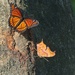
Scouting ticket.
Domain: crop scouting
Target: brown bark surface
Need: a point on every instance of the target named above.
(15, 59)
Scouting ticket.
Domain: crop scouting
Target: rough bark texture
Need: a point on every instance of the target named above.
(56, 28)
(15, 58)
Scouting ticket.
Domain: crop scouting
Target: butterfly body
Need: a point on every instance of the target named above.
(17, 22)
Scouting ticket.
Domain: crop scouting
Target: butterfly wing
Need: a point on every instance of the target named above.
(31, 23)
(22, 26)
(13, 21)
(15, 11)
(15, 16)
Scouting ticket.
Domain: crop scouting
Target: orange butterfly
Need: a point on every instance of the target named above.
(44, 51)
(17, 21)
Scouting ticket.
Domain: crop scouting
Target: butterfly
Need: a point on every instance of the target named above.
(17, 22)
(44, 51)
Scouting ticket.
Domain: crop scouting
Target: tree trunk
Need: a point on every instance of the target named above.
(15, 58)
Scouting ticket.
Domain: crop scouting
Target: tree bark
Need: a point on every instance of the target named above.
(15, 59)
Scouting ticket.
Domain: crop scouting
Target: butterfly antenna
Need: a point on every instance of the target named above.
(46, 59)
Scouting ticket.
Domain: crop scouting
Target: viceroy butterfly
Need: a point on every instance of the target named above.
(17, 22)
